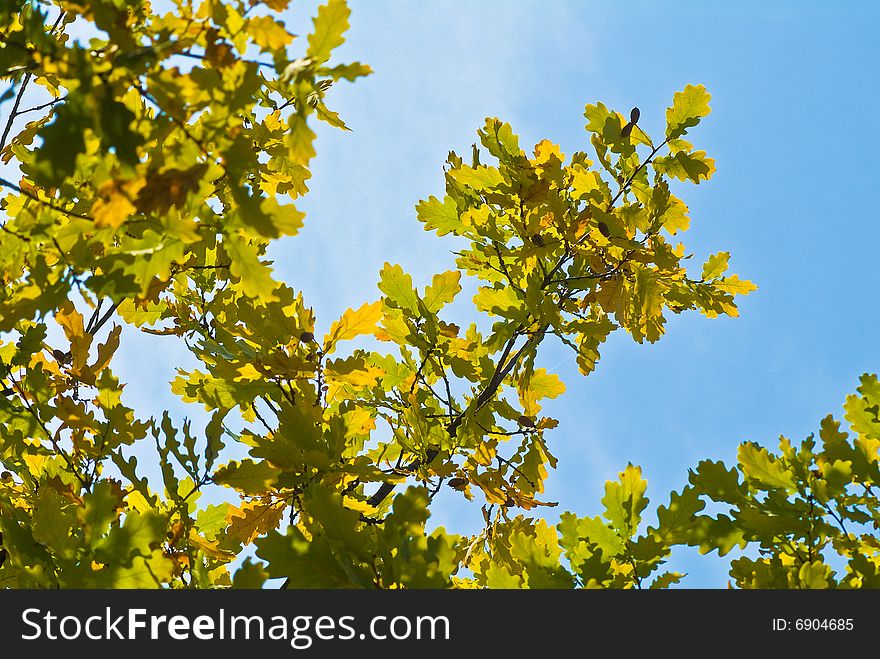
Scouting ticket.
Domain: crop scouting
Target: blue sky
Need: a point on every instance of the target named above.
(793, 200)
(792, 134)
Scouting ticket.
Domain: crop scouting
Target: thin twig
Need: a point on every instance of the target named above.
(30, 195)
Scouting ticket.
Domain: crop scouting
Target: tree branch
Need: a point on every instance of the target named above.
(30, 195)
(502, 370)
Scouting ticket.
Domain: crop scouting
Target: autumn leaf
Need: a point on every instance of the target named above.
(115, 205)
(247, 476)
(688, 107)
(268, 34)
(443, 289)
(398, 288)
(330, 24)
(352, 324)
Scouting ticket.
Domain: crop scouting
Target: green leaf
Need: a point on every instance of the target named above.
(250, 575)
(481, 179)
(330, 24)
(248, 476)
(139, 535)
(624, 500)
(439, 216)
(149, 572)
(398, 288)
(666, 580)
(500, 577)
(54, 520)
(63, 141)
(718, 482)
(116, 132)
(349, 72)
(256, 277)
(716, 265)
(757, 464)
(307, 564)
(688, 108)
(598, 117)
(694, 166)
(594, 531)
(499, 139)
(815, 575)
(212, 519)
(499, 302)
(99, 510)
(720, 533)
(443, 289)
(336, 521)
(674, 521)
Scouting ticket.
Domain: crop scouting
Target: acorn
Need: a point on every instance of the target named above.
(603, 229)
(526, 421)
(626, 130)
(306, 337)
(634, 115)
(5, 477)
(457, 483)
(62, 357)
(537, 239)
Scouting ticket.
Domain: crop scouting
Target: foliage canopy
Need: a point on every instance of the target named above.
(166, 149)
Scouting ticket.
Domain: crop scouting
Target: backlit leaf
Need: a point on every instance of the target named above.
(688, 107)
(247, 476)
(330, 24)
(352, 324)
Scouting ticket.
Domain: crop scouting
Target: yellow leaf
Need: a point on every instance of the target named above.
(540, 385)
(268, 34)
(114, 206)
(485, 452)
(112, 210)
(105, 354)
(256, 278)
(352, 324)
(546, 385)
(358, 422)
(272, 122)
(71, 322)
(253, 519)
(72, 413)
(137, 501)
(364, 377)
(735, 286)
(715, 265)
(209, 548)
(247, 476)
(584, 182)
(545, 150)
(359, 506)
(688, 107)
(248, 373)
(330, 24)
(338, 377)
(444, 287)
